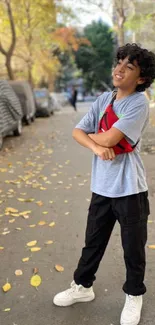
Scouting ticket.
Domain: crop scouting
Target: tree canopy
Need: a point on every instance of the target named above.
(96, 59)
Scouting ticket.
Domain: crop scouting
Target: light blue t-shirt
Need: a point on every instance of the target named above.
(125, 175)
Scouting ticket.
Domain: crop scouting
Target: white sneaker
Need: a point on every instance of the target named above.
(132, 310)
(76, 293)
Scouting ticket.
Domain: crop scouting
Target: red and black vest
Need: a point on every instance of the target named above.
(108, 119)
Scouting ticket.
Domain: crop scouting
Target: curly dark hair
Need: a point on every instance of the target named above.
(145, 60)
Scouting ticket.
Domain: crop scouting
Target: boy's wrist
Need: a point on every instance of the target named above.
(93, 147)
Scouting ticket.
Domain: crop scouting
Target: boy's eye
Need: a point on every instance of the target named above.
(129, 67)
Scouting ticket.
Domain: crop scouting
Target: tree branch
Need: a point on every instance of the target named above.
(2, 49)
(12, 25)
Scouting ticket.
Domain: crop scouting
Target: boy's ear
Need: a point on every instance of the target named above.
(141, 81)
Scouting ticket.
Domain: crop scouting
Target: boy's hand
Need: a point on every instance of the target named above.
(104, 153)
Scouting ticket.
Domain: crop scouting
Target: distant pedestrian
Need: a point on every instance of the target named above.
(112, 130)
(73, 99)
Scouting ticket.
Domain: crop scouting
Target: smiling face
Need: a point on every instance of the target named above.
(126, 75)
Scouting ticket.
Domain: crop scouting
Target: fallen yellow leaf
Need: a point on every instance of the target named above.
(6, 287)
(1, 248)
(52, 224)
(3, 170)
(151, 246)
(18, 272)
(25, 259)
(12, 210)
(12, 220)
(5, 232)
(35, 280)
(32, 243)
(25, 212)
(35, 249)
(40, 203)
(59, 268)
(15, 214)
(45, 212)
(41, 223)
(48, 242)
(25, 216)
(18, 228)
(7, 309)
(32, 226)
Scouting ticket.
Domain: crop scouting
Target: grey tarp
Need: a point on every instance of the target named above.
(10, 108)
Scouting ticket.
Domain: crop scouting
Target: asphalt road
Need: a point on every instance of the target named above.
(46, 173)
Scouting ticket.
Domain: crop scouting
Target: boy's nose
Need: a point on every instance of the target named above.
(121, 67)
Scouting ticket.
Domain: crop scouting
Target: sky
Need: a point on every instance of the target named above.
(87, 13)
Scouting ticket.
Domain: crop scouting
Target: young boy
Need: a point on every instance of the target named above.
(112, 129)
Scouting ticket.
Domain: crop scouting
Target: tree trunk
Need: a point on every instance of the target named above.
(9, 68)
(121, 38)
(8, 54)
(30, 78)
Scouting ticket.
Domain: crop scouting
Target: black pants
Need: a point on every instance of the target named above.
(132, 214)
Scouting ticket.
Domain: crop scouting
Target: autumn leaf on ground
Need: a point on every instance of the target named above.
(7, 309)
(45, 212)
(5, 232)
(32, 243)
(18, 272)
(3, 170)
(41, 223)
(54, 175)
(18, 228)
(67, 213)
(32, 226)
(52, 224)
(59, 268)
(35, 249)
(40, 203)
(1, 248)
(6, 287)
(25, 259)
(25, 217)
(11, 210)
(21, 199)
(151, 246)
(35, 270)
(25, 213)
(48, 242)
(35, 280)
(11, 220)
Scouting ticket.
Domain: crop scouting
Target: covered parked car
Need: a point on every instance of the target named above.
(10, 112)
(44, 103)
(25, 94)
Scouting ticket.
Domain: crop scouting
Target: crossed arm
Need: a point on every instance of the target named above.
(101, 144)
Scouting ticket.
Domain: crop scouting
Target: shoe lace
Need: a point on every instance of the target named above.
(74, 288)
